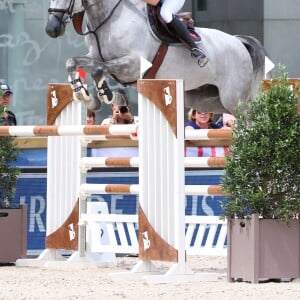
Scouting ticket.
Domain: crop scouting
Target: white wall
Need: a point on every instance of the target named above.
(281, 33)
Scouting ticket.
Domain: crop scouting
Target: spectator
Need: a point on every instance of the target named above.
(8, 118)
(228, 120)
(121, 114)
(121, 111)
(90, 118)
(201, 120)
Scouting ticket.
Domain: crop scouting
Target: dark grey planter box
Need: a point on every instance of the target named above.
(263, 249)
(13, 234)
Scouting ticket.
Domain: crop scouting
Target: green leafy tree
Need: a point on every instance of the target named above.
(263, 174)
(8, 173)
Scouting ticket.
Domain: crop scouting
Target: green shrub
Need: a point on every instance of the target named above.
(263, 174)
(8, 173)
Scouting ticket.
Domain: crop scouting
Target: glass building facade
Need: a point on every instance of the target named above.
(30, 60)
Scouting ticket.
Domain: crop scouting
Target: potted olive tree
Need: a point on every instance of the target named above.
(262, 178)
(13, 218)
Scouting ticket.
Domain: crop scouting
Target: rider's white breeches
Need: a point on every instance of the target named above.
(170, 8)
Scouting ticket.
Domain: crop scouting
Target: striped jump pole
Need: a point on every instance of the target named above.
(87, 163)
(208, 134)
(88, 189)
(105, 132)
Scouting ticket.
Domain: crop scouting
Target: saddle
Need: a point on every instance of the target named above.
(160, 29)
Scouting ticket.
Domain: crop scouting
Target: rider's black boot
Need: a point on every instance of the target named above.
(183, 34)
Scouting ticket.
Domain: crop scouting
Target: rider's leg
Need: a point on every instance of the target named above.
(183, 34)
(168, 9)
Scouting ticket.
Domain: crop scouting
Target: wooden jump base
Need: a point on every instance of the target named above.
(199, 238)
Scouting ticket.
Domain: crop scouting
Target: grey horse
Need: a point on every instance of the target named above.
(118, 34)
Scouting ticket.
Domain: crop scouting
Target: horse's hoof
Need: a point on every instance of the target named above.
(106, 98)
(95, 104)
(202, 61)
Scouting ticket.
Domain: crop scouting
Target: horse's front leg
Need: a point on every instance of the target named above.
(126, 69)
(105, 94)
(80, 91)
(118, 68)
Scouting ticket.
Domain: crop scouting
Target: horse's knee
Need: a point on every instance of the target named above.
(71, 65)
(98, 76)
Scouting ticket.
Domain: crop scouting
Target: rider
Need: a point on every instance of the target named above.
(168, 9)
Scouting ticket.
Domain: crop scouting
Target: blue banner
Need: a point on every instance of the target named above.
(32, 190)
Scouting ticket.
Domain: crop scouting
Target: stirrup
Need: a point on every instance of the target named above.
(201, 57)
(202, 61)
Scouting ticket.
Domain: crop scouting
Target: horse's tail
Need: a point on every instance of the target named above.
(256, 51)
(258, 54)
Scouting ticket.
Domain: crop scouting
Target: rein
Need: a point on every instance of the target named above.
(78, 18)
(77, 24)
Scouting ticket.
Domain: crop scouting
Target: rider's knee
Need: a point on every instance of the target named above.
(166, 15)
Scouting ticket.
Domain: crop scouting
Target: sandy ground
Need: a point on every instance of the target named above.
(98, 283)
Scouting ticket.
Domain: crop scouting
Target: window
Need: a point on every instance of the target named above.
(201, 5)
